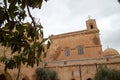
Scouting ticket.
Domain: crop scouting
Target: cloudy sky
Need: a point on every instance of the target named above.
(61, 16)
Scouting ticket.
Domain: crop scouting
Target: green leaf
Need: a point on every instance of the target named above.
(20, 36)
(2, 15)
(14, 48)
(46, 0)
(41, 32)
(12, 8)
(39, 26)
(22, 15)
(45, 39)
(23, 4)
(48, 44)
(5, 2)
(40, 3)
(35, 4)
(10, 25)
(40, 50)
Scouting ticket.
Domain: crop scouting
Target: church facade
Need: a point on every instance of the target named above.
(76, 45)
(73, 56)
(77, 55)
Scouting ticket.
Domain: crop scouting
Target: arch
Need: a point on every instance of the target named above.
(5, 76)
(89, 78)
(2, 77)
(72, 79)
(25, 78)
(91, 26)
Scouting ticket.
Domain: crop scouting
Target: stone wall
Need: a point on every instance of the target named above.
(82, 69)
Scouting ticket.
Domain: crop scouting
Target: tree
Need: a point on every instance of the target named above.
(105, 73)
(25, 39)
(45, 74)
(119, 1)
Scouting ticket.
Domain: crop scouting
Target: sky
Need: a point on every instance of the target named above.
(63, 16)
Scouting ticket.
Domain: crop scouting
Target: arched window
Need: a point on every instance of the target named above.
(91, 26)
(80, 51)
(67, 52)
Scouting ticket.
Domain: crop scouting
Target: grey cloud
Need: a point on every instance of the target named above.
(112, 39)
(111, 34)
(61, 16)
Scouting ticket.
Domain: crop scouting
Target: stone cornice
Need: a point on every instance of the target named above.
(87, 61)
(83, 32)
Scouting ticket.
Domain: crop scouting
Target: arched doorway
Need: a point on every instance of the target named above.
(2, 77)
(25, 78)
(73, 79)
(5, 76)
(89, 78)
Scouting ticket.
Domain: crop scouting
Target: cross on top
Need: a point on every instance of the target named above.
(89, 17)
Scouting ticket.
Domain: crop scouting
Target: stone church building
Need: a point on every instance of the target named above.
(73, 56)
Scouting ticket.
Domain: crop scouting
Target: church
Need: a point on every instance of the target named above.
(73, 56)
(77, 55)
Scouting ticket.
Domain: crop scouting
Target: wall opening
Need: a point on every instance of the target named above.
(25, 78)
(91, 26)
(67, 52)
(2, 77)
(89, 79)
(80, 51)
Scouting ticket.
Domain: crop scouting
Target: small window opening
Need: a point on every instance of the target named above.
(80, 51)
(91, 26)
(67, 52)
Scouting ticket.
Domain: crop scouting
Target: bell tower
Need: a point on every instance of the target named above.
(91, 24)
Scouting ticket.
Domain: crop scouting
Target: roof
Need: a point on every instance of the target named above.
(110, 52)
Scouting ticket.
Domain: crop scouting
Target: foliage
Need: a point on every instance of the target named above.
(45, 74)
(119, 1)
(25, 39)
(105, 73)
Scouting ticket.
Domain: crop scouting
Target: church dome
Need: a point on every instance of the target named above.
(110, 52)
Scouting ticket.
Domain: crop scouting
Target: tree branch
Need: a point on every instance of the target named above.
(32, 18)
